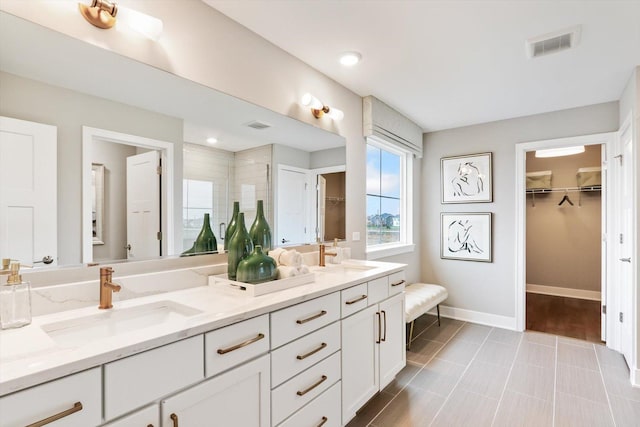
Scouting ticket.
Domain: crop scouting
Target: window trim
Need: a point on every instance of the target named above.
(406, 243)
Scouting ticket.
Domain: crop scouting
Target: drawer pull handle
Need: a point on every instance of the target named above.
(312, 352)
(242, 344)
(384, 337)
(76, 407)
(303, 392)
(355, 300)
(379, 327)
(401, 282)
(309, 319)
(323, 422)
(174, 418)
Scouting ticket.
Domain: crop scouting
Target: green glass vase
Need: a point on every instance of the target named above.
(206, 240)
(240, 247)
(260, 231)
(231, 228)
(257, 268)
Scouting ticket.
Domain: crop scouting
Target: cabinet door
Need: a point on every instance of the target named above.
(239, 397)
(392, 345)
(147, 417)
(360, 379)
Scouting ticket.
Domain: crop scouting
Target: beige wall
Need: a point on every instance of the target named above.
(564, 242)
(489, 287)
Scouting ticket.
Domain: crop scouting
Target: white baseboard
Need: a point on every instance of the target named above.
(479, 317)
(564, 292)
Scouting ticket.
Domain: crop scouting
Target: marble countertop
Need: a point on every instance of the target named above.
(29, 356)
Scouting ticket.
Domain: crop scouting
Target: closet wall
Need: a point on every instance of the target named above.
(564, 242)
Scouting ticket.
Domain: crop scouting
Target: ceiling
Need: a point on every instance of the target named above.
(448, 64)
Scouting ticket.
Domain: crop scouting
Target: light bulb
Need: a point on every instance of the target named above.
(349, 59)
(146, 25)
(557, 152)
(335, 114)
(311, 101)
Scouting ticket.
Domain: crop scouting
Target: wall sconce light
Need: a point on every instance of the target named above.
(318, 109)
(102, 14)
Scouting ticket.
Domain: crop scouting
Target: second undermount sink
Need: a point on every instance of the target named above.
(113, 322)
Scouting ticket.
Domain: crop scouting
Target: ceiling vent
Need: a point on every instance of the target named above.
(256, 124)
(553, 42)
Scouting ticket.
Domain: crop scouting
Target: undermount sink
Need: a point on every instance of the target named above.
(116, 321)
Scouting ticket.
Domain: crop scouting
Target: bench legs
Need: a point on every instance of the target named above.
(410, 339)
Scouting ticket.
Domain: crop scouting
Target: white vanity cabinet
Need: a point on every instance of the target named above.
(372, 343)
(239, 397)
(145, 417)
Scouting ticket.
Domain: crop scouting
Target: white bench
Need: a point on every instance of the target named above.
(419, 299)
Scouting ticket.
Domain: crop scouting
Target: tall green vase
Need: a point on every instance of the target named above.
(206, 240)
(257, 268)
(260, 231)
(231, 228)
(240, 247)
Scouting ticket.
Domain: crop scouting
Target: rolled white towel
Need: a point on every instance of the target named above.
(290, 258)
(303, 269)
(276, 254)
(287, 271)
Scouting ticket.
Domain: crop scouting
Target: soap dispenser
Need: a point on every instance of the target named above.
(15, 300)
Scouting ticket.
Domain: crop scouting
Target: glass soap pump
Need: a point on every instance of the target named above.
(15, 300)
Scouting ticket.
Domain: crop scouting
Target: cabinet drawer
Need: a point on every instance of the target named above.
(232, 345)
(354, 299)
(297, 356)
(396, 283)
(137, 380)
(323, 411)
(59, 397)
(293, 322)
(378, 289)
(302, 389)
(149, 416)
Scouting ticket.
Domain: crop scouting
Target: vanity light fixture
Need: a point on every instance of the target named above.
(212, 140)
(558, 152)
(349, 59)
(318, 109)
(102, 14)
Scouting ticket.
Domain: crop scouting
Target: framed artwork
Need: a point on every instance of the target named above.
(466, 179)
(465, 236)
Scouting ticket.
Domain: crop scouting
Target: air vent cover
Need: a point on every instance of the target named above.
(553, 42)
(258, 125)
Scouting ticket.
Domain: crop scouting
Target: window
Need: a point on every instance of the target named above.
(388, 222)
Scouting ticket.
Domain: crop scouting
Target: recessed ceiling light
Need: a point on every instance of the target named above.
(349, 59)
(212, 140)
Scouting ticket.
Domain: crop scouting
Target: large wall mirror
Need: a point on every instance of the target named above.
(134, 120)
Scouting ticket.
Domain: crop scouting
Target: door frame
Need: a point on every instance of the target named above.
(314, 182)
(90, 134)
(607, 140)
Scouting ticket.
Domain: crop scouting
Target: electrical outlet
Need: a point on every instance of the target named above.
(355, 236)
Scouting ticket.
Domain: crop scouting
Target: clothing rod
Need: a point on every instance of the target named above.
(562, 190)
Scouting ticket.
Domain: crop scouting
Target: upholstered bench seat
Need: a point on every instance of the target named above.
(419, 299)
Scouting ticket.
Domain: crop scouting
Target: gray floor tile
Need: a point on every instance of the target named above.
(534, 381)
(617, 382)
(459, 351)
(505, 336)
(485, 379)
(472, 332)
(369, 411)
(497, 353)
(411, 407)
(581, 357)
(518, 410)
(574, 411)
(423, 350)
(606, 356)
(464, 409)
(540, 338)
(625, 412)
(403, 378)
(580, 382)
(444, 332)
(439, 377)
(536, 354)
(574, 341)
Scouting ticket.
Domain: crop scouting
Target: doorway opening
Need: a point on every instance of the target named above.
(564, 241)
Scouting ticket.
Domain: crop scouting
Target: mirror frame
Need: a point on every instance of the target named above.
(97, 175)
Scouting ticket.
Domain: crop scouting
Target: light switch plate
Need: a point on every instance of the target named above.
(355, 236)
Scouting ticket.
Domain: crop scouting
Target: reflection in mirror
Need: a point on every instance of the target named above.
(97, 203)
(331, 206)
(137, 100)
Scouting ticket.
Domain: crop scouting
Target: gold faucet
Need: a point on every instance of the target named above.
(323, 255)
(107, 288)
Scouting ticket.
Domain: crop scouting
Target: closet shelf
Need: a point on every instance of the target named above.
(563, 189)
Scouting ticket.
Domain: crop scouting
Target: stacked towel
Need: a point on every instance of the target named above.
(289, 263)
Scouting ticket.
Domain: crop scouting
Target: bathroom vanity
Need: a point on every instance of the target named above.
(310, 355)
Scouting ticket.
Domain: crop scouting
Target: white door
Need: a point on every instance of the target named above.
(143, 205)
(322, 203)
(28, 192)
(292, 224)
(393, 356)
(240, 397)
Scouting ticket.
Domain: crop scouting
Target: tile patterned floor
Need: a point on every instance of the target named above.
(463, 374)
